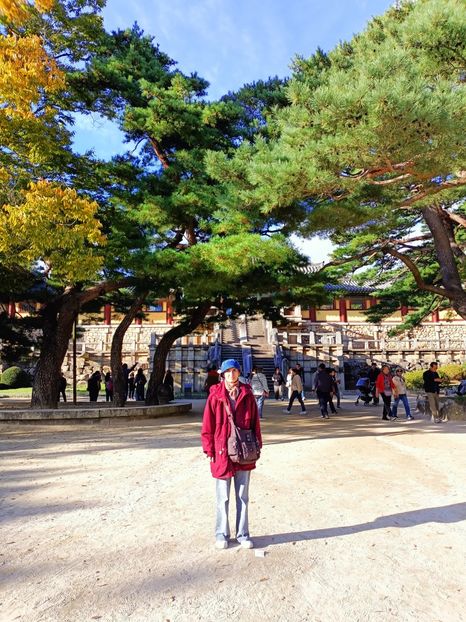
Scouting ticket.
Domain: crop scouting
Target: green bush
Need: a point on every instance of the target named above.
(15, 378)
(414, 379)
(451, 372)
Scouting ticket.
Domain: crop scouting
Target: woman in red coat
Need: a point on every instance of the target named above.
(233, 395)
(385, 388)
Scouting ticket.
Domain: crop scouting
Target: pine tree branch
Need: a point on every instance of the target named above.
(440, 291)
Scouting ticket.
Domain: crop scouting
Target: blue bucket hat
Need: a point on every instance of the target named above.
(228, 364)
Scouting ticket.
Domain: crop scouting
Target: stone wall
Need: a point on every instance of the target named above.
(350, 347)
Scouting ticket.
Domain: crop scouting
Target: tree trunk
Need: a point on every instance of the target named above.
(446, 258)
(59, 318)
(120, 390)
(163, 348)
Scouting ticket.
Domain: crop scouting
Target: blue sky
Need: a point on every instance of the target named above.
(230, 43)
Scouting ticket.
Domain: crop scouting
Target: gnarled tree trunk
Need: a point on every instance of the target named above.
(59, 316)
(120, 390)
(58, 320)
(451, 279)
(163, 348)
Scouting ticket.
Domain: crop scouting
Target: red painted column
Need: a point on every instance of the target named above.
(343, 311)
(435, 316)
(11, 310)
(169, 312)
(108, 314)
(312, 314)
(404, 310)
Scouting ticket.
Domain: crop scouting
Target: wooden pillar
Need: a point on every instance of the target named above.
(108, 314)
(169, 312)
(404, 310)
(343, 311)
(11, 310)
(312, 314)
(436, 316)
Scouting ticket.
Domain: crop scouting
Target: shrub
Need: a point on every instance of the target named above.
(15, 378)
(414, 379)
(451, 372)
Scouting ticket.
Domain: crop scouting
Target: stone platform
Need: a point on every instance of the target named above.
(98, 412)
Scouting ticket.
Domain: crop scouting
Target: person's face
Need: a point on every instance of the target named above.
(231, 375)
(434, 367)
(385, 369)
(399, 372)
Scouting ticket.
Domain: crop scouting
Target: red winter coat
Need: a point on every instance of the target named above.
(380, 383)
(216, 427)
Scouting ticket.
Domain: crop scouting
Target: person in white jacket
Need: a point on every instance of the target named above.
(400, 385)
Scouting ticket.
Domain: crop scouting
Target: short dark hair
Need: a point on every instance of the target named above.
(322, 366)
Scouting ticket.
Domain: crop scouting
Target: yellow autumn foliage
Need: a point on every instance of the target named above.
(18, 10)
(53, 228)
(26, 71)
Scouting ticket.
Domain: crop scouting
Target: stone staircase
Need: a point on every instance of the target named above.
(262, 353)
(231, 348)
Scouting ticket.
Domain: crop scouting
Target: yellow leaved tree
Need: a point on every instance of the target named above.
(18, 10)
(53, 229)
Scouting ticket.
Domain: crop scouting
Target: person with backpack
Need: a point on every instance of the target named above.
(230, 399)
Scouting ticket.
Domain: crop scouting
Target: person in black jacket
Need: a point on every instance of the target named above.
(323, 386)
(432, 388)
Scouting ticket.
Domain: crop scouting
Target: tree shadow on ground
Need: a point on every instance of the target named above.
(453, 513)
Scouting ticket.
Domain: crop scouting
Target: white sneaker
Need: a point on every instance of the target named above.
(287, 411)
(221, 544)
(303, 412)
(247, 544)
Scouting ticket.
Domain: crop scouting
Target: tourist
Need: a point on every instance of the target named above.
(289, 378)
(108, 387)
(126, 371)
(93, 386)
(373, 374)
(432, 388)
(300, 371)
(229, 396)
(400, 386)
(139, 383)
(323, 386)
(260, 388)
(212, 379)
(62, 382)
(335, 386)
(278, 384)
(385, 388)
(168, 382)
(131, 386)
(296, 389)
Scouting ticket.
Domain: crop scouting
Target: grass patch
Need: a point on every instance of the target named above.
(23, 392)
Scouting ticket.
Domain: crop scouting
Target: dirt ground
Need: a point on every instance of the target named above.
(358, 520)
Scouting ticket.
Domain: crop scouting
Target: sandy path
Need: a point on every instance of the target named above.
(359, 521)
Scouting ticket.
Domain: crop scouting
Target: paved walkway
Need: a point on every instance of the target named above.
(359, 520)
